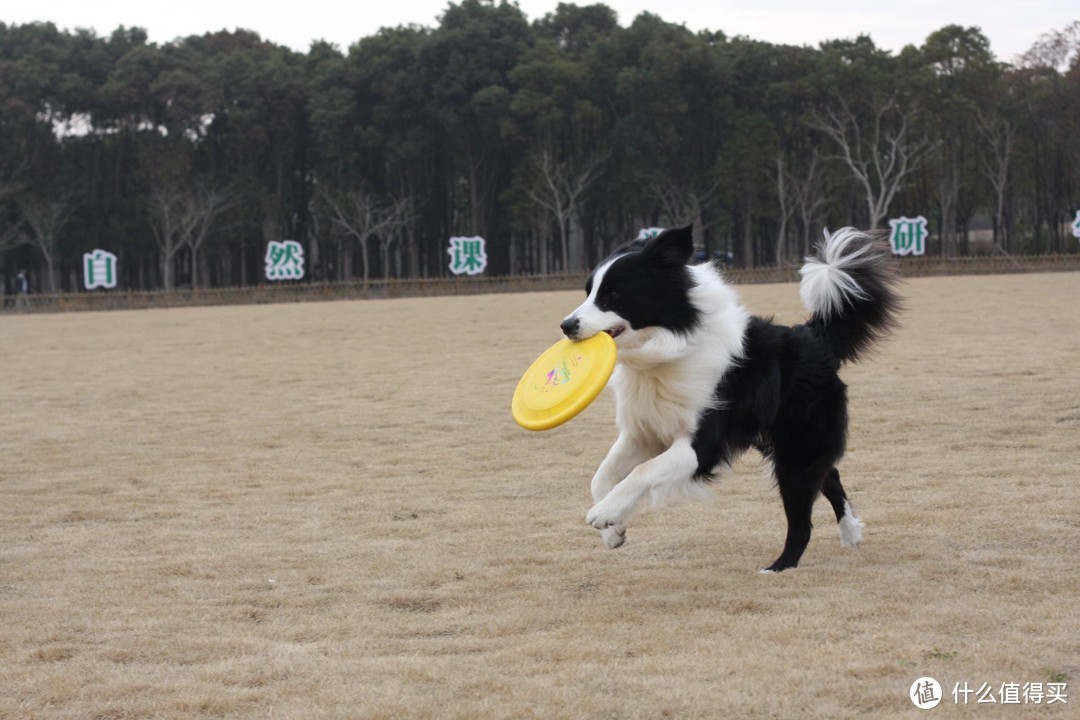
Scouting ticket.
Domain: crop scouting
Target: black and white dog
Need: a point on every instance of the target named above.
(700, 380)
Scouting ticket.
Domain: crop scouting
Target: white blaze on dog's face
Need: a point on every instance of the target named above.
(596, 315)
(644, 285)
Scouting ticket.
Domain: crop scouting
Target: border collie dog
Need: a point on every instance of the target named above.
(699, 379)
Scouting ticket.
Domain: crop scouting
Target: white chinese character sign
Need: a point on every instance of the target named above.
(99, 270)
(647, 233)
(284, 260)
(908, 236)
(1076, 226)
(467, 255)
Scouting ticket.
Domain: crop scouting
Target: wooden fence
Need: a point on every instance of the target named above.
(352, 290)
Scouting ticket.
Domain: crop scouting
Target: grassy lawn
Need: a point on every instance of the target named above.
(325, 510)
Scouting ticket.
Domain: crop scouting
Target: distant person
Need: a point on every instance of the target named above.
(22, 284)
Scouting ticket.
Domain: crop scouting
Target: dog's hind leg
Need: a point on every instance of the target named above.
(850, 526)
(798, 489)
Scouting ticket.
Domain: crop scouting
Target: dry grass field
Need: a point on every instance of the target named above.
(325, 510)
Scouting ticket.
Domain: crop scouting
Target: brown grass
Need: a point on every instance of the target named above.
(325, 511)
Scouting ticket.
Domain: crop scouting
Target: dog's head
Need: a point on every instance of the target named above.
(643, 284)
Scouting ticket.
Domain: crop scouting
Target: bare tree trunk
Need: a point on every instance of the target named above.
(787, 209)
(168, 268)
(206, 206)
(999, 135)
(811, 192)
(414, 251)
(345, 249)
(543, 244)
(948, 188)
(46, 220)
(476, 211)
(747, 250)
(576, 242)
(364, 262)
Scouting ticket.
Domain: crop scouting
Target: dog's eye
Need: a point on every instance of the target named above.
(613, 294)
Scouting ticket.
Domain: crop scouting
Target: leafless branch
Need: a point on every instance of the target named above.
(185, 215)
(45, 220)
(559, 188)
(880, 161)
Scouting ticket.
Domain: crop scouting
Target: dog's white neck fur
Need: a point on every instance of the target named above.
(663, 380)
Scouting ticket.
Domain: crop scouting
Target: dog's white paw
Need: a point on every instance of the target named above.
(613, 537)
(606, 514)
(851, 529)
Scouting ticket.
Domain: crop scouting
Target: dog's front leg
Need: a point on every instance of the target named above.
(664, 475)
(625, 455)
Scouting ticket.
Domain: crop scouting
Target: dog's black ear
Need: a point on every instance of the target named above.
(674, 246)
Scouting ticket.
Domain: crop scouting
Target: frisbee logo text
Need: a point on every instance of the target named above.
(562, 374)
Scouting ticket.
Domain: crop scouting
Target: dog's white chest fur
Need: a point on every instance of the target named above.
(657, 404)
(664, 382)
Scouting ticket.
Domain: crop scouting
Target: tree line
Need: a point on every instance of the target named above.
(554, 139)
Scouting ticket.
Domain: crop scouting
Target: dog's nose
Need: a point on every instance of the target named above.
(570, 326)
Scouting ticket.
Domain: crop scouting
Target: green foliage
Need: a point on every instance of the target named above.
(555, 139)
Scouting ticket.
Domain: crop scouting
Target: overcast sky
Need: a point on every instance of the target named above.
(1011, 25)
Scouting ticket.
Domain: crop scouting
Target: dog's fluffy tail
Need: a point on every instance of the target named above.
(849, 286)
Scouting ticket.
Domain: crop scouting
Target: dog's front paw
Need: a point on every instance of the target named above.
(603, 515)
(613, 537)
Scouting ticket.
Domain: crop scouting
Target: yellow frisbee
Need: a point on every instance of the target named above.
(563, 381)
